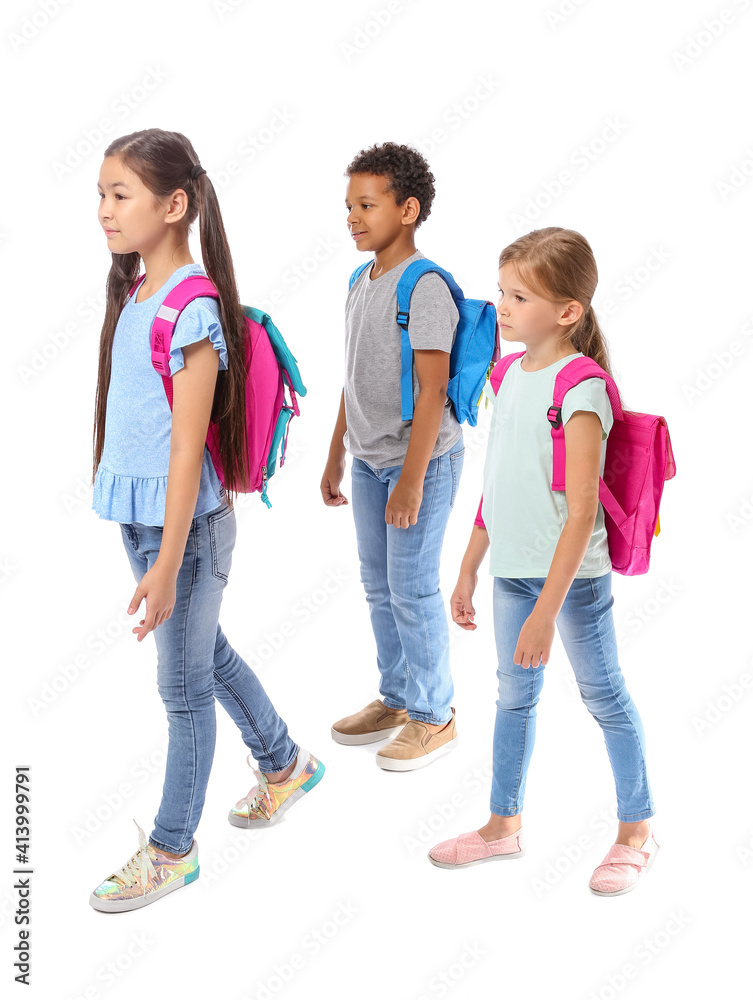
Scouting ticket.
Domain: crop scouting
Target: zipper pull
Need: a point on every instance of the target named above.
(488, 376)
(264, 496)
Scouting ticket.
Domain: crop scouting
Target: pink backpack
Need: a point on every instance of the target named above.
(638, 461)
(270, 370)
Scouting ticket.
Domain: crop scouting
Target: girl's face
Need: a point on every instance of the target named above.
(527, 318)
(131, 219)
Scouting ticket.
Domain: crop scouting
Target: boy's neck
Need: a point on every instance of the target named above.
(393, 255)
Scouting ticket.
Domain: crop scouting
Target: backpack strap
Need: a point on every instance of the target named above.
(190, 288)
(501, 368)
(567, 378)
(358, 272)
(495, 380)
(405, 286)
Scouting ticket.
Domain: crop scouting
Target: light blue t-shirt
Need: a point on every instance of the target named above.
(131, 481)
(524, 517)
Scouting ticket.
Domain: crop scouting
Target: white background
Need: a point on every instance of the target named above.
(647, 110)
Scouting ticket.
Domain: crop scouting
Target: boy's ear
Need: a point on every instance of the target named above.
(411, 210)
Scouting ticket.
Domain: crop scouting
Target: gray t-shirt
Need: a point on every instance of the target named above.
(375, 433)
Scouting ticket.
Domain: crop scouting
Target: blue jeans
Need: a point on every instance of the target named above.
(195, 665)
(400, 573)
(587, 631)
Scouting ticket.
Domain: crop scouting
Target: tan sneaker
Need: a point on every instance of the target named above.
(417, 746)
(373, 723)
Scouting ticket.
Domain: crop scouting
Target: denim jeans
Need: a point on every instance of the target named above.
(195, 665)
(400, 573)
(586, 628)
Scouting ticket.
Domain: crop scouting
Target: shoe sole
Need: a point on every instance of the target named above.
(262, 824)
(478, 861)
(361, 739)
(119, 905)
(621, 892)
(410, 764)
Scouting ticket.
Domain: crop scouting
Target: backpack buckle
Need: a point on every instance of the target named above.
(161, 362)
(554, 416)
(402, 319)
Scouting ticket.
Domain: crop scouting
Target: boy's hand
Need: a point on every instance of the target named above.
(158, 587)
(403, 505)
(330, 484)
(461, 602)
(535, 641)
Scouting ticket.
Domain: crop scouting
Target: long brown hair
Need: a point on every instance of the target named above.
(558, 264)
(163, 161)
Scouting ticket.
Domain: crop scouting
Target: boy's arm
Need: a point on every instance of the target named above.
(335, 468)
(433, 373)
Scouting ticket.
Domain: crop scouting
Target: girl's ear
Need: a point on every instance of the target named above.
(571, 313)
(177, 206)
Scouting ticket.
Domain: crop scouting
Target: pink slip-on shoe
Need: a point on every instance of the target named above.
(471, 849)
(622, 867)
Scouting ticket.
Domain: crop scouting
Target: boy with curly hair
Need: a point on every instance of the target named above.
(405, 473)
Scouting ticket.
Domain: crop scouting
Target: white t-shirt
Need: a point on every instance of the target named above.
(523, 515)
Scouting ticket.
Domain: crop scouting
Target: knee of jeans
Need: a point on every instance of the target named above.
(519, 706)
(408, 599)
(376, 588)
(517, 694)
(608, 704)
(405, 590)
(178, 697)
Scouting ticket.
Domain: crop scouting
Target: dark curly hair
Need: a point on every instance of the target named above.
(406, 170)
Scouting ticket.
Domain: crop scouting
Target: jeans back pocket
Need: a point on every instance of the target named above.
(222, 531)
(456, 464)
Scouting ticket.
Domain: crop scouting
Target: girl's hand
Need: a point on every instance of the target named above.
(461, 602)
(158, 587)
(330, 484)
(535, 641)
(403, 504)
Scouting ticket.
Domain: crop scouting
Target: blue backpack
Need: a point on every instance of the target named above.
(474, 352)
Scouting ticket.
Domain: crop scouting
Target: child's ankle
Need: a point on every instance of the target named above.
(499, 827)
(278, 776)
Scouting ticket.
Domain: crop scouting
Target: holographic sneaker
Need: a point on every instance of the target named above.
(148, 875)
(268, 800)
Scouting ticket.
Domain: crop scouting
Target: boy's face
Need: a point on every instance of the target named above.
(374, 219)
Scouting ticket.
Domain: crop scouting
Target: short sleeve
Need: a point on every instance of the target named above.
(489, 392)
(479, 522)
(199, 319)
(433, 315)
(591, 395)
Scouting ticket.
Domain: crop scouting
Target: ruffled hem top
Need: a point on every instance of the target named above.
(131, 481)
